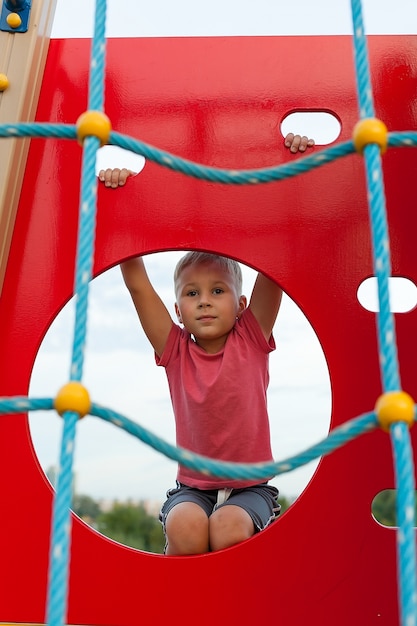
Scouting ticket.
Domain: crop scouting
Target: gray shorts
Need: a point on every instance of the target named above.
(259, 501)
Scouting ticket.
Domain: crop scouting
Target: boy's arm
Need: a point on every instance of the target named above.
(152, 312)
(265, 302)
(154, 317)
(266, 295)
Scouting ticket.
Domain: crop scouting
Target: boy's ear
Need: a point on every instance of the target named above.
(178, 313)
(243, 302)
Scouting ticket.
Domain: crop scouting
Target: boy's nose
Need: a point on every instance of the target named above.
(204, 301)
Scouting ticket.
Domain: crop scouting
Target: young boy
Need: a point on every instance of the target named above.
(217, 370)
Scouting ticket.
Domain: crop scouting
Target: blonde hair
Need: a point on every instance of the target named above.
(229, 265)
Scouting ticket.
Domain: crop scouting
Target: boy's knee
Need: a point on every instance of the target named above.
(186, 530)
(228, 526)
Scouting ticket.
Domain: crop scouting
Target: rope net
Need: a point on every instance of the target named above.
(370, 138)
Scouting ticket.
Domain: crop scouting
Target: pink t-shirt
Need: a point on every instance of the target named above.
(219, 400)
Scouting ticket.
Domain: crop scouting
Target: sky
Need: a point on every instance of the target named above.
(119, 367)
(136, 18)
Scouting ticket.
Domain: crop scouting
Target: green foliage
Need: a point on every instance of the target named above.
(285, 503)
(384, 507)
(127, 523)
(131, 525)
(86, 508)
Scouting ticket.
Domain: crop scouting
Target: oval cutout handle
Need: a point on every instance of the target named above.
(322, 126)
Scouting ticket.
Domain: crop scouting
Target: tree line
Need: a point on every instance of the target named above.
(131, 524)
(126, 522)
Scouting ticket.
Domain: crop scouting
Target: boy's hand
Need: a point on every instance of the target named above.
(298, 143)
(115, 177)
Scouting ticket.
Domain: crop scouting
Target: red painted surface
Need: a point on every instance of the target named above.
(219, 101)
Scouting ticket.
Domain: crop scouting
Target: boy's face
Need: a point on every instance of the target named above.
(208, 304)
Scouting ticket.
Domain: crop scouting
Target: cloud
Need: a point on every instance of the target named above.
(120, 373)
(162, 18)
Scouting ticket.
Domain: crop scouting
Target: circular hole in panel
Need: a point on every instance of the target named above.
(402, 293)
(113, 156)
(120, 373)
(322, 126)
(384, 508)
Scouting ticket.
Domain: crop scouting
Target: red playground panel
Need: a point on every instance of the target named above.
(220, 101)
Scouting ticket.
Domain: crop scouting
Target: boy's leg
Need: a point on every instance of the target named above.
(186, 530)
(184, 517)
(229, 525)
(246, 512)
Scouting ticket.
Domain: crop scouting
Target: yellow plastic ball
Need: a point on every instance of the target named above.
(394, 406)
(4, 82)
(370, 130)
(73, 397)
(93, 123)
(14, 20)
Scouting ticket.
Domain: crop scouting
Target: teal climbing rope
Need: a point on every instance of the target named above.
(61, 516)
(400, 436)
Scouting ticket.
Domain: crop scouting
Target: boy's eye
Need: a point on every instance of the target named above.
(217, 290)
(193, 292)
